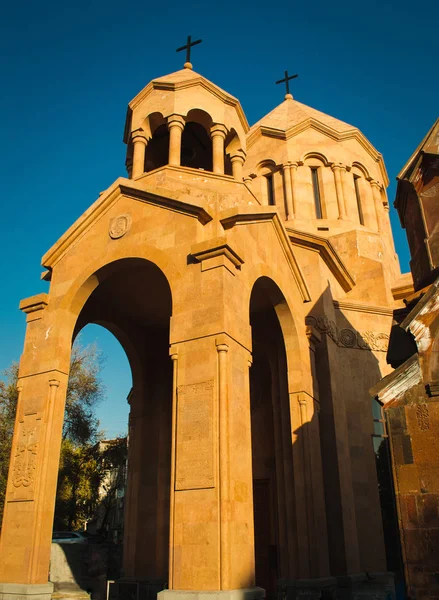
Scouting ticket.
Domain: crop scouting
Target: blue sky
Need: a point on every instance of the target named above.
(70, 68)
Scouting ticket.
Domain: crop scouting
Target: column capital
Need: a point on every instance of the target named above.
(176, 121)
(218, 129)
(376, 184)
(238, 155)
(338, 166)
(139, 136)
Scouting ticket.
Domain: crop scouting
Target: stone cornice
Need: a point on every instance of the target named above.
(328, 253)
(181, 85)
(216, 247)
(128, 188)
(365, 308)
(338, 136)
(264, 214)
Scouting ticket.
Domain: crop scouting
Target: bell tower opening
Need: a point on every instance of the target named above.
(196, 144)
(157, 149)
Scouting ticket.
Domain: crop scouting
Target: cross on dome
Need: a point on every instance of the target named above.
(187, 47)
(286, 80)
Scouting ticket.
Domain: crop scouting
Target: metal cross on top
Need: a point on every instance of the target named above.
(188, 47)
(286, 80)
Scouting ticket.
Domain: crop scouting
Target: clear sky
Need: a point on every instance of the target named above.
(69, 69)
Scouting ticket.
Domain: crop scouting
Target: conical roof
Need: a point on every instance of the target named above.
(290, 113)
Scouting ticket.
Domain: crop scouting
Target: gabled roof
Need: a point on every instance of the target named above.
(290, 113)
(429, 145)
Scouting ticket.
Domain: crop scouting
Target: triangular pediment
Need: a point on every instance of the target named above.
(123, 187)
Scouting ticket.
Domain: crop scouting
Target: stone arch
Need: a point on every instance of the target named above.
(196, 143)
(271, 425)
(75, 298)
(157, 149)
(359, 169)
(132, 298)
(318, 156)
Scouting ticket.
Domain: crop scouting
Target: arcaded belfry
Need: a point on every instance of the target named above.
(250, 276)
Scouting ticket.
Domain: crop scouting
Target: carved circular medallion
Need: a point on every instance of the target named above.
(119, 226)
(348, 338)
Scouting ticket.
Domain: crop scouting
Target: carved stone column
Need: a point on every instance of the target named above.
(376, 192)
(237, 159)
(345, 187)
(286, 172)
(139, 147)
(218, 133)
(294, 192)
(367, 204)
(336, 167)
(176, 125)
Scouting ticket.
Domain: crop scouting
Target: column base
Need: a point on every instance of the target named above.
(254, 593)
(26, 591)
(377, 586)
(311, 589)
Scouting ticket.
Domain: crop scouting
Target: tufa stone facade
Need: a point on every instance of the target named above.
(250, 275)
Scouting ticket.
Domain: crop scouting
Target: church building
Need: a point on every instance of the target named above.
(250, 274)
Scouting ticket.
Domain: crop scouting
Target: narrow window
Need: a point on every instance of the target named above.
(358, 197)
(270, 189)
(316, 190)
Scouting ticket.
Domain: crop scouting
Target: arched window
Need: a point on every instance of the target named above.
(316, 192)
(267, 170)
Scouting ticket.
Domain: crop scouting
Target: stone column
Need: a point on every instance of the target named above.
(139, 147)
(25, 542)
(218, 133)
(294, 192)
(237, 159)
(376, 192)
(211, 427)
(176, 125)
(288, 187)
(346, 189)
(336, 167)
(367, 204)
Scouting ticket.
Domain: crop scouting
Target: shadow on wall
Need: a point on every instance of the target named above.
(355, 451)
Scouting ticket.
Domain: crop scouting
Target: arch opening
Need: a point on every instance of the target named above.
(157, 149)
(133, 301)
(273, 499)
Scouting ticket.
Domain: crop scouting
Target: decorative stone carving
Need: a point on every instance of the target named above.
(195, 451)
(119, 226)
(350, 338)
(25, 458)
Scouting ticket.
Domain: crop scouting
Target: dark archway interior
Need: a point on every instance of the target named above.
(157, 149)
(196, 147)
(133, 300)
(271, 438)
